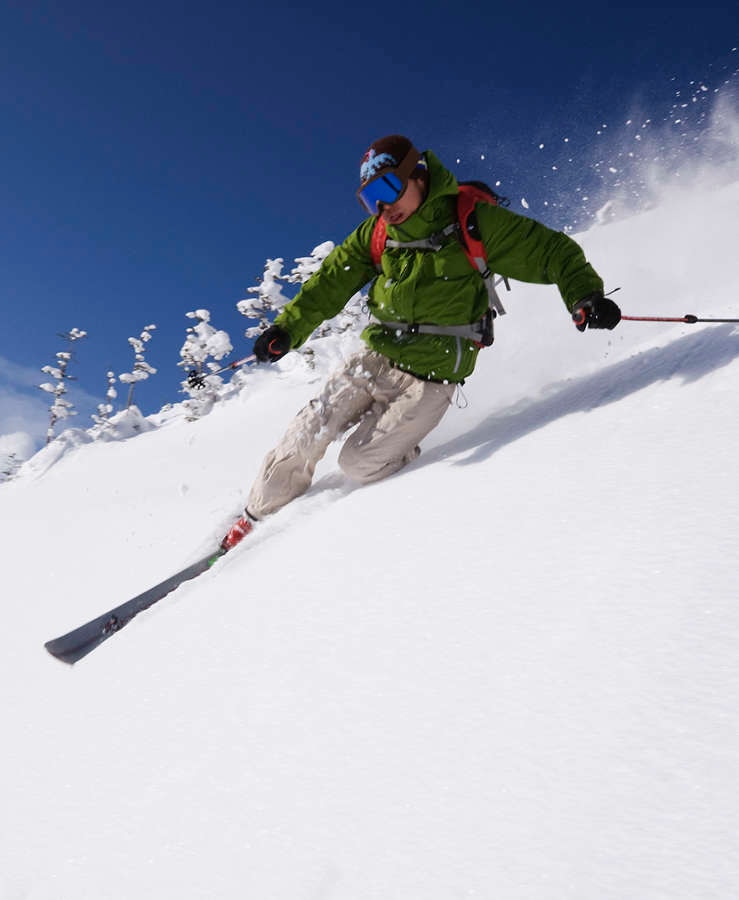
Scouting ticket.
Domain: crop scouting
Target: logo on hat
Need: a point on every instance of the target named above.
(373, 162)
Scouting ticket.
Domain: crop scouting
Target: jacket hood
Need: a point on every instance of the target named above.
(441, 181)
(437, 210)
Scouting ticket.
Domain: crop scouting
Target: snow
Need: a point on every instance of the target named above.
(510, 671)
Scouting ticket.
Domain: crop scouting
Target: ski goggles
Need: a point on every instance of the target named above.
(389, 185)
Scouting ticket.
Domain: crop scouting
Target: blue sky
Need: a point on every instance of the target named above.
(155, 154)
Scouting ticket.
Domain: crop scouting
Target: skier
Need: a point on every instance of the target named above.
(430, 320)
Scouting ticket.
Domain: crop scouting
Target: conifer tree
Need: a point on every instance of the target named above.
(203, 347)
(141, 368)
(305, 267)
(60, 408)
(105, 409)
(268, 298)
(9, 465)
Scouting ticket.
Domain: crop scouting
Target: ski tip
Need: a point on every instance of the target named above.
(72, 647)
(59, 654)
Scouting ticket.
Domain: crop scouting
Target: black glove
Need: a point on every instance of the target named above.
(595, 311)
(272, 344)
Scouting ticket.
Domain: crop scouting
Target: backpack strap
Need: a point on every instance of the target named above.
(380, 241)
(469, 196)
(377, 244)
(433, 242)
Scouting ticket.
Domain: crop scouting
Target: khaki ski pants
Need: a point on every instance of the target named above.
(393, 412)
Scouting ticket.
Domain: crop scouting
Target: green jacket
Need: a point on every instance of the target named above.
(441, 287)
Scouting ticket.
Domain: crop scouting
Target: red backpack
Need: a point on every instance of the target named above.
(470, 194)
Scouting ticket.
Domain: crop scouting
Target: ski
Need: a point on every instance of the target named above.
(71, 647)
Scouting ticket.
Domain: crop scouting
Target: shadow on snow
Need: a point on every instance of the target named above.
(688, 358)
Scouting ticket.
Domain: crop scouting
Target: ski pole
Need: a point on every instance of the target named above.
(196, 379)
(579, 317)
(688, 317)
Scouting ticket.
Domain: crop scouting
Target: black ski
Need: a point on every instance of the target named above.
(78, 643)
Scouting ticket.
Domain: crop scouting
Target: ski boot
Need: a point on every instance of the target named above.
(238, 532)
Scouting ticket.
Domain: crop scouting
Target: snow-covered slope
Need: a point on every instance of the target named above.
(509, 672)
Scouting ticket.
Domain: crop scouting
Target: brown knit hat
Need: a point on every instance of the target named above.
(386, 153)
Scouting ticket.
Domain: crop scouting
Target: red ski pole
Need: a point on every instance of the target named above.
(688, 317)
(580, 316)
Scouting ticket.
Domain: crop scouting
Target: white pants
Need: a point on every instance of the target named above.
(393, 410)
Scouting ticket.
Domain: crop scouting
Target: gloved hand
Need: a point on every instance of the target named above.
(595, 311)
(272, 344)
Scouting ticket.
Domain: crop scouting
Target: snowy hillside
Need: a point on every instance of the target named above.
(509, 672)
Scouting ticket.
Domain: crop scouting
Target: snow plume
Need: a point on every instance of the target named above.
(698, 145)
(594, 171)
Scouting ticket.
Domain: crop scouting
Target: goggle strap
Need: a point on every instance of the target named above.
(409, 163)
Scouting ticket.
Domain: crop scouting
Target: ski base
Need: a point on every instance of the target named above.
(71, 647)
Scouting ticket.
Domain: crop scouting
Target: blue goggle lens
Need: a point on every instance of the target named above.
(386, 188)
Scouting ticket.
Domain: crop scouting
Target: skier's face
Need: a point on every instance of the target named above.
(404, 207)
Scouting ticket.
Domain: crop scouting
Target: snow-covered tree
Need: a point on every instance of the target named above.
(309, 265)
(268, 298)
(349, 315)
(105, 409)
(204, 346)
(141, 368)
(9, 465)
(60, 408)
(305, 267)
